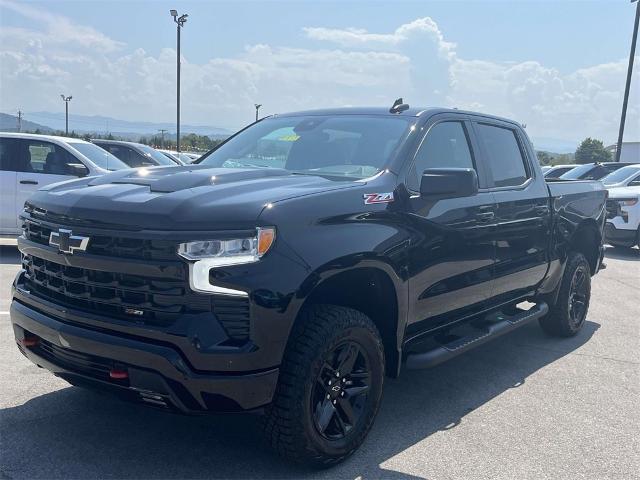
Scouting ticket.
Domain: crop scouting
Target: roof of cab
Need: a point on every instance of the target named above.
(384, 111)
(37, 136)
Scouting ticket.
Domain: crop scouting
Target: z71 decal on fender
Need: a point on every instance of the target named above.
(373, 198)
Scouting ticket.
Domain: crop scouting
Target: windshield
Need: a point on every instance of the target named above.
(99, 156)
(157, 157)
(621, 175)
(351, 146)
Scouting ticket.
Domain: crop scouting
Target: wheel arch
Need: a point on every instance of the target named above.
(372, 288)
(587, 239)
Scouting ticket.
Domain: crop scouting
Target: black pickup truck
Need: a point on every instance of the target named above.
(292, 268)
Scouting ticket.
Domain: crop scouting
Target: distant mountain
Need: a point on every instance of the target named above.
(122, 128)
(9, 123)
(554, 145)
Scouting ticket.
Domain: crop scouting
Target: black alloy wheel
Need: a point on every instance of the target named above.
(341, 390)
(578, 292)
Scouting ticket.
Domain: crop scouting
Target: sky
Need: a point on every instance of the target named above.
(557, 66)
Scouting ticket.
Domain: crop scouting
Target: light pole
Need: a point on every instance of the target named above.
(257, 105)
(66, 101)
(180, 21)
(632, 54)
(162, 132)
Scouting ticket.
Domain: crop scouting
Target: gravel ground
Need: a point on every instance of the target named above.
(523, 406)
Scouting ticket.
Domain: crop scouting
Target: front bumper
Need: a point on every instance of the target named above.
(619, 236)
(156, 374)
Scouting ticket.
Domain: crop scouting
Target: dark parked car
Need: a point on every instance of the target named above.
(135, 154)
(557, 171)
(299, 263)
(592, 171)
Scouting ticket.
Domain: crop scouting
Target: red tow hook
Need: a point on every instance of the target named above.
(30, 341)
(118, 374)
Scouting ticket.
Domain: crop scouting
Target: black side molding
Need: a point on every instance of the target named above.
(482, 335)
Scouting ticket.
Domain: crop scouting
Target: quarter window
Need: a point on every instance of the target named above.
(445, 146)
(504, 156)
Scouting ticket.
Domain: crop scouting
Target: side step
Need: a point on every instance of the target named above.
(446, 351)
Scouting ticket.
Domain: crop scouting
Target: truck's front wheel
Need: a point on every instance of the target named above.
(568, 314)
(330, 386)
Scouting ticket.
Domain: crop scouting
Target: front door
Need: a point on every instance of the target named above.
(40, 163)
(452, 250)
(8, 219)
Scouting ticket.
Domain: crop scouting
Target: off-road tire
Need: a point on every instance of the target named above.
(559, 322)
(289, 424)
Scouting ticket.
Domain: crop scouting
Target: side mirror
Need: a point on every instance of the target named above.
(449, 182)
(78, 169)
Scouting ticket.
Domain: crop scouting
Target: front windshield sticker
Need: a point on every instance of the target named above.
(289, 138)
(373, 198)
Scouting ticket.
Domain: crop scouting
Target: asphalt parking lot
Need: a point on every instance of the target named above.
(523, 406)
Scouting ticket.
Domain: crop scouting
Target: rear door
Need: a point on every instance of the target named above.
(451, 256)
(522, 215)
(8, 219)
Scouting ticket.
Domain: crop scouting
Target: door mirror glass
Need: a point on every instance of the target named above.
(449, 182)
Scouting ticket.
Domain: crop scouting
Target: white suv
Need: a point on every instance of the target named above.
(623, 217)
(29, 162)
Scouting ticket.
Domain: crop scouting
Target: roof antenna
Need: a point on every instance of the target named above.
(398, 106)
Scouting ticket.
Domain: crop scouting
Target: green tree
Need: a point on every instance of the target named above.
(592, 150)
(544, 158)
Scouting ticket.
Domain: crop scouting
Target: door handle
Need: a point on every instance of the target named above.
(28, 182)
(485, 216)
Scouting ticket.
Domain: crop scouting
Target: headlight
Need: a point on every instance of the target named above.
(627, 202)
(204, 255)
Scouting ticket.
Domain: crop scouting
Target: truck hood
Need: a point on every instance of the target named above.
(190, 197)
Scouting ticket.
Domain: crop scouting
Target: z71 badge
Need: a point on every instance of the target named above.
(373, 198)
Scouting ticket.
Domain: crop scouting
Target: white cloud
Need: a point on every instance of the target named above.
(356, 37)
(350, 67)
(58, 30)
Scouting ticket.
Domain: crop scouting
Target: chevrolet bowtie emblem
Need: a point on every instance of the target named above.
(67, 242)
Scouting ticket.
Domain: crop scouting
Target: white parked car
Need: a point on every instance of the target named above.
(623, 217)
(184, 157)
(628, 176)
(29, 162)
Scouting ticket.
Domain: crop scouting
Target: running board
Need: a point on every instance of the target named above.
(454, 348)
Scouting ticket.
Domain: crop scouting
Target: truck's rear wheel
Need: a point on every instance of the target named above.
(330, 386)
(566, 317)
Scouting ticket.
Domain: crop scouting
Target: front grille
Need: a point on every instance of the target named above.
(613, 208)
(155, 301)
(129, 297)
(122, 247)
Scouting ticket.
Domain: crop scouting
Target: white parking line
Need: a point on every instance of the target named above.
(4, 313)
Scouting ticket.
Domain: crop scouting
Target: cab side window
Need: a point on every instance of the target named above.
(445, 146)
(123, 153)
(35, 156)
(504, 156)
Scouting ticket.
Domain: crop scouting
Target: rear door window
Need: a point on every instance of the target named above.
(504, 156)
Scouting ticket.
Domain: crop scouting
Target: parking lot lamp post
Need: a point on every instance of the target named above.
(180, 21)
(632, 54)
(257, 105)
(66, 101)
